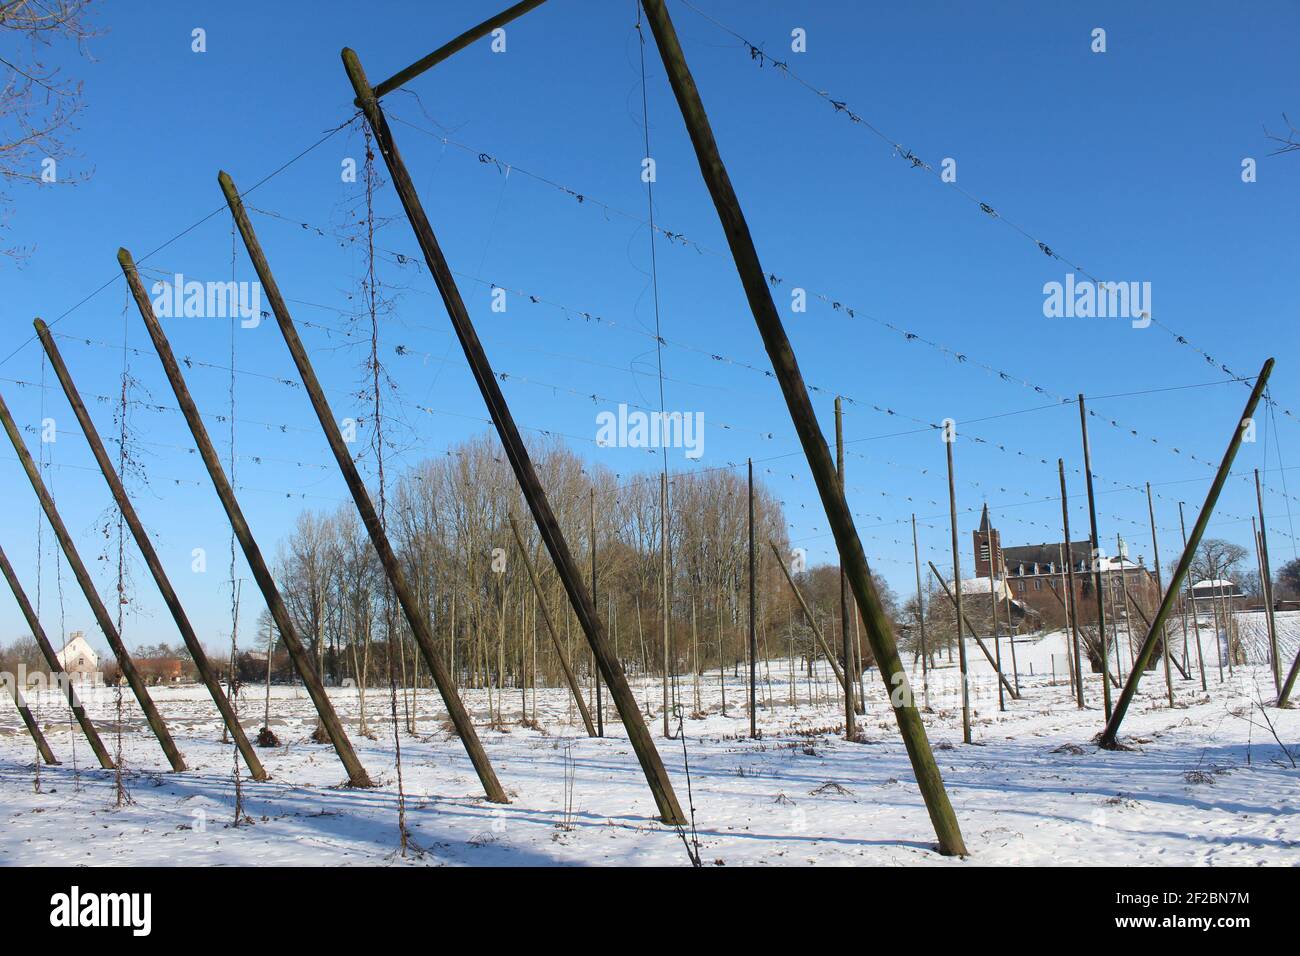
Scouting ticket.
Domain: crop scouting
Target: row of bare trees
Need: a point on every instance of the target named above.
(449, 519)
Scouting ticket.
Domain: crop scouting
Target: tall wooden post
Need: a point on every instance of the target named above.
(52, 661)
(920, 619)
(156, 723)
(1191, 599)
(1155, 547)
(1265, 572)
(956, 598)
(416, 618)
(357, 776)
(1073, 609)
(142, 540)
(997, 638)
(1094, 543)
(552, 536)
(664, 600)
(1109, 736)
(850, 711)
(595, 677)
(753, 617)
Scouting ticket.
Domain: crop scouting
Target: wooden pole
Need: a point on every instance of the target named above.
(1191, 598)
(808, 616)
(920, 619)
(156, 723)
(452, 47)
(1266, 573)
(753, 618)
(1095, 559)
(979, 641)
(956, 599)
(552, 536)
(786, 370)
(997, 639)
(1109, 736)
(1155, 547)
(52, 661)
(600, 703)
(392, 565)
(142, 540)
(357, 776)
(850, 711)
(569, 677)
(664, 600)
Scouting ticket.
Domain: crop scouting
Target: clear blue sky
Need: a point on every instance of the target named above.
(1126, 162)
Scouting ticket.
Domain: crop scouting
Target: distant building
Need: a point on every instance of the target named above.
(79, 659)
(1037, 575)
(1218, 590)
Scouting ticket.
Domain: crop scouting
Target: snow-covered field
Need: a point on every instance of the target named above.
(1204, 782)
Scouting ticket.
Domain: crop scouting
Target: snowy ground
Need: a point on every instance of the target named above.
(1205, 782)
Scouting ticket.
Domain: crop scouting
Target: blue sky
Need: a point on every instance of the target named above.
(1126, 162)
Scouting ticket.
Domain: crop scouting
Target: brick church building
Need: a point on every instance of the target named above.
(1036, 575)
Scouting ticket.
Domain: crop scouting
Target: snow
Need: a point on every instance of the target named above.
(1205, 782)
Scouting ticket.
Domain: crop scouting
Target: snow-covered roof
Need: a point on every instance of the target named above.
(1215, 583)
(981, 586)
(75, 649)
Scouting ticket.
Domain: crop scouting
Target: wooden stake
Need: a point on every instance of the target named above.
(169, 596)
(1190, 598)
(52, 661)
(156, 723)
(1109, 736)
(357, 776)
(600, 703)
(552, 536)
(850, 711)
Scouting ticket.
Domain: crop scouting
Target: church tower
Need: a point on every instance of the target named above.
(988, 547)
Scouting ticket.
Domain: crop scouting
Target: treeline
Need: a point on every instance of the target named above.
(448, 518)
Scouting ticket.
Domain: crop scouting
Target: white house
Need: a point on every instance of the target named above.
(79, 659)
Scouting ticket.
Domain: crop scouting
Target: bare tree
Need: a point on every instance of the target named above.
(38, 104)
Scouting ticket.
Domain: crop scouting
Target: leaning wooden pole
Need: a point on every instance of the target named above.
(1072, 611)
(1094, 559)
(1109, 736)
(401, 77)
(786, 369)
(392, 565)
(357, 776)
(12, 681)
(1266, 574)
(569, 676)
(142, 540)
(979, 641)
(52, 661)
(808, 615)
(102, 618)
(661, 787)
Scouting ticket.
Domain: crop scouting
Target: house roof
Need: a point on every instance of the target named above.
(1030, 554)
(77, 647)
